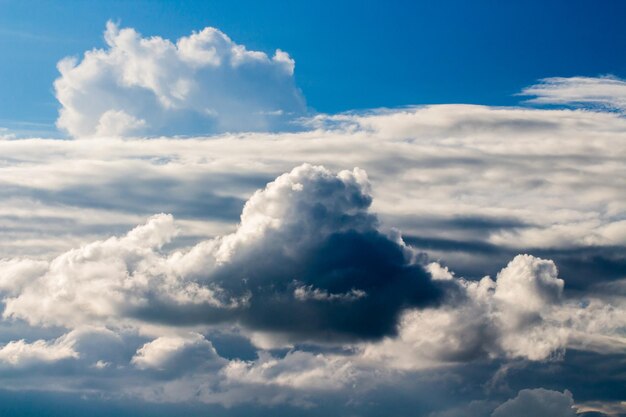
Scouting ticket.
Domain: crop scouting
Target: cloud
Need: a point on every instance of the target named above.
(307, 260)
(519, 315)
(470, 186)
(202, 83)
(300, 370)
(177, 354)
(438, 173)
(600, 92)
(538, 402)
(89, 346)
(19, 353)
(602, 408)
(100, 282)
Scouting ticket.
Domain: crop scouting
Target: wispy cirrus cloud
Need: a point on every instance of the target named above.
(607, 92)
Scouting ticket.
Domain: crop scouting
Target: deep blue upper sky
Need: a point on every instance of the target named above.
(350, 54)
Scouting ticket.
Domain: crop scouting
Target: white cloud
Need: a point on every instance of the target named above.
(604, 92)
(297, 252)
(529, 283)
(301, 370)
(100, 282)
(176, 353)
(88, 344)
(538, 403)
(520, 178)
(519, 315)
(202, 83)
(20, 353)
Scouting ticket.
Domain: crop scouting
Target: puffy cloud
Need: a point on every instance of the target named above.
(519, 315)
(20, 353)
(202, 83)
(526, 292)
(101, 282)
(306, 261)
(300, 370)
(604, 92)
(538, 402)
(529, 283)
(176, 354)
(96, 347)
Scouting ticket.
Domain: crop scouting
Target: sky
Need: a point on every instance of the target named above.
(350, 54)
(346, 209)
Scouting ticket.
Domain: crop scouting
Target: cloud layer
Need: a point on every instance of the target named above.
(270, 289)
(309, 269)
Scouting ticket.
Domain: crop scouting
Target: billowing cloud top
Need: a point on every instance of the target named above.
(203, 83)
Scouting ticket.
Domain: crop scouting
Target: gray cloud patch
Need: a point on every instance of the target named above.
(368, 262)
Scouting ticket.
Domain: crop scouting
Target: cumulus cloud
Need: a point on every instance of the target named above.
(91, 346)
(102, 281)
(519, 315)
(20, 353)
(307, 260)
(601, 92)
(538, 402)
(177, 354)
(300, 370)
(201, 83)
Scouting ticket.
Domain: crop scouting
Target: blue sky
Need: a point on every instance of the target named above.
(349, 55)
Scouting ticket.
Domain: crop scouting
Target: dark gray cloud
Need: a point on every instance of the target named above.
(344, 262)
